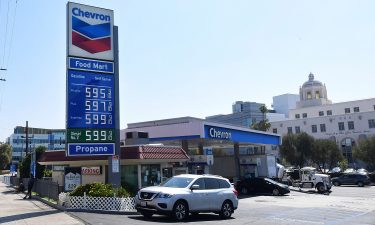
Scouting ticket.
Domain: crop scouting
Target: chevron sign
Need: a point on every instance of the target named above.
(90, 32)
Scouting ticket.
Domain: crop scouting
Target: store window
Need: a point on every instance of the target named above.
(151, 175)
(129, 177)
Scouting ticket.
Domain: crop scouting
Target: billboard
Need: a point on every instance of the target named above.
(90, 32)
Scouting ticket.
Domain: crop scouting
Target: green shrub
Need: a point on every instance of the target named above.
(47, 173)
(100, 190)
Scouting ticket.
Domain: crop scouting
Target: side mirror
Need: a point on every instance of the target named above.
(195, 187)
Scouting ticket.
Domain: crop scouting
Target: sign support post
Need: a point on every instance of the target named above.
(114, 176)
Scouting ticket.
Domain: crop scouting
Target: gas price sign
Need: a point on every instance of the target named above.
(90, 100)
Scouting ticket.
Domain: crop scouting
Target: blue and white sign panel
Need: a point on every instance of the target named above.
(90, 32)
(90, 100)
(90, 149)
(221, 133)
(90, 65)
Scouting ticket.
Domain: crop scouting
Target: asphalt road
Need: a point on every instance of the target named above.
(344, 205)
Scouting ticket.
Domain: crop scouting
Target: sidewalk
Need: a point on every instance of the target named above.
(15, 210)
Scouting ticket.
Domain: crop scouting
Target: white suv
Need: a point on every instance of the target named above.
(187, 193)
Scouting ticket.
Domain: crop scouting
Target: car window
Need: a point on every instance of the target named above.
(201, 184)
(211, 183)
(223, 183)
(177, 182)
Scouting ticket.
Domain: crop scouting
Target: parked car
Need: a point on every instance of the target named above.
(187, 193)
(350, 170)
(261, 186)
(351, 179)
(362, 171)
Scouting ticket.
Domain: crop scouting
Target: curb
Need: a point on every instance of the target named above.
(103, 212)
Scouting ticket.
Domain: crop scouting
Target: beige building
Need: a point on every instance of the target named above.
(346, 122)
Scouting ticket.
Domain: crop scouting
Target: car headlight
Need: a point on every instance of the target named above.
(164, 195)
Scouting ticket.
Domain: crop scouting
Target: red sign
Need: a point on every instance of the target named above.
(95, 170)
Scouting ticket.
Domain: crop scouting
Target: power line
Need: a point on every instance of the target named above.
(11, 34)
(6, 32)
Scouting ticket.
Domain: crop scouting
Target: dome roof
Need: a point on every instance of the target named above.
(311, 82)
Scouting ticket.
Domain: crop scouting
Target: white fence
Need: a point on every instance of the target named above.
(5, 179)
(97, 203)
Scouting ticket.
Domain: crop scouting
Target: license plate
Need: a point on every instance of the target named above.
(143, 204)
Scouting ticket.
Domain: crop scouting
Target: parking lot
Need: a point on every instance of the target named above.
(344, 205)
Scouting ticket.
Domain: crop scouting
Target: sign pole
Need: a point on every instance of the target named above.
(114, 168)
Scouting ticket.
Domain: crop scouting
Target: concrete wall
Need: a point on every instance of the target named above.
(224, 166)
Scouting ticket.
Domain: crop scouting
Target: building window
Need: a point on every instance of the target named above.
(322, 128)
(309, 96)
(374, 107)
(329, 112)
(298, 130)
(321, 113)
(351, 125)
(356, 109)
(290, 131)
(317, 95)
(297, 116)
(314, 128)
(341, 126)
(274, 130)
(371, 123)
(304, 115)
(347, 110)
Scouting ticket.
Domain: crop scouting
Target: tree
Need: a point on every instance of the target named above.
(304, 148)
(365, 151)
(326, 153)
(297, 149)
(25, 165)
(288, 149)
(264, 124)
(5, 155)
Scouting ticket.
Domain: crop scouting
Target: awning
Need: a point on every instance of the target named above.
(141, 152)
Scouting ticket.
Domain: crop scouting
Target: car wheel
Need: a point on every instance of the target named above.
(360, 184)
(147, 215)
(336, 183)
(244, 191)
(226, 210)
(320, 188)
(275, 192)
(180, 211)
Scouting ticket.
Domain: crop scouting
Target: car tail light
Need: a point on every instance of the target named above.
(235, 192)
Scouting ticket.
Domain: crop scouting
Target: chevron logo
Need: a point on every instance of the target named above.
(91, 38)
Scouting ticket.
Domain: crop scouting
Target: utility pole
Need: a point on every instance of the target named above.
(27, 137)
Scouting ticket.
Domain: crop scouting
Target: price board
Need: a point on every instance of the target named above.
(90, 100)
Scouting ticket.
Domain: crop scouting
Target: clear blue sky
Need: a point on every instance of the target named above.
(190, 58)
